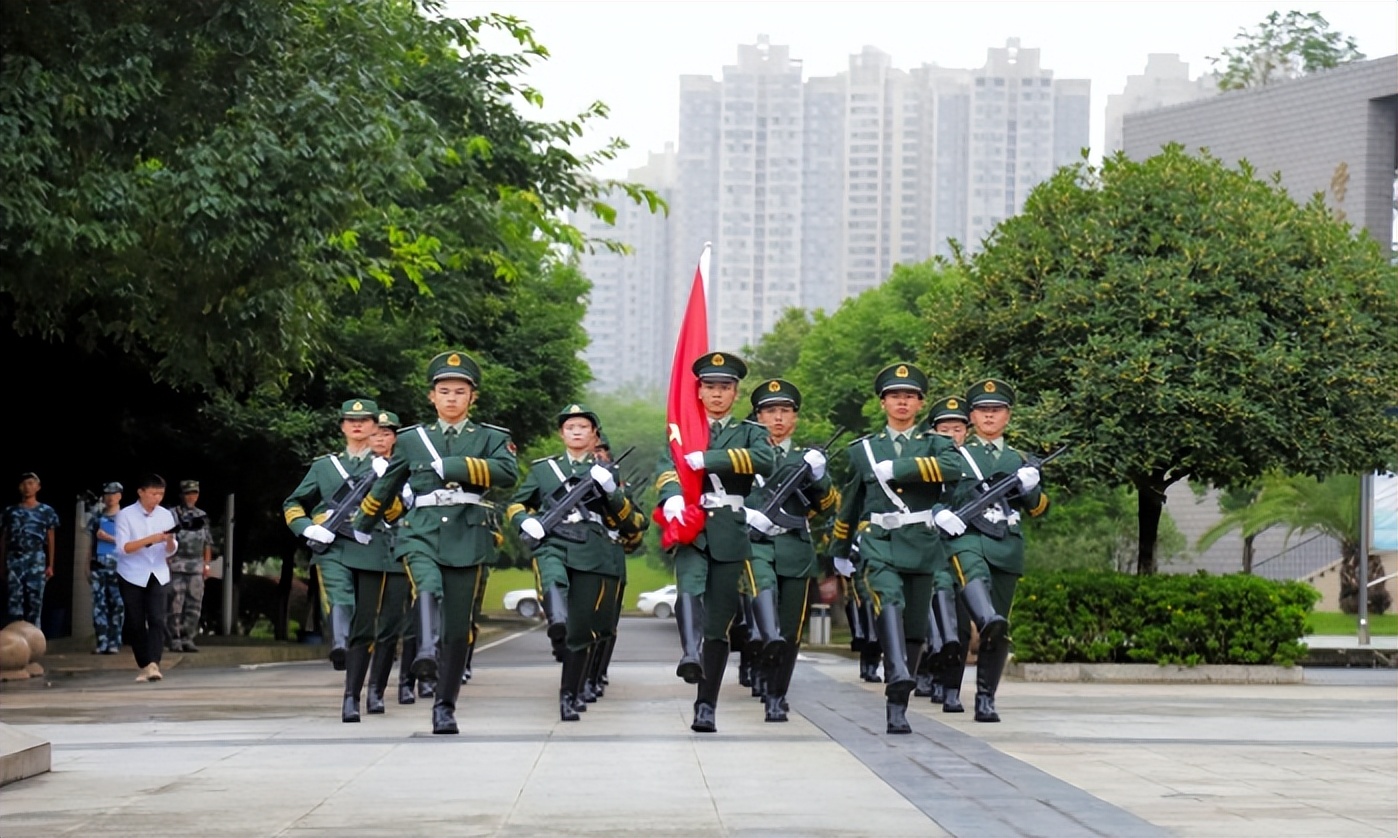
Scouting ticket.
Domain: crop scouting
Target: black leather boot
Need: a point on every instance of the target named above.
(448, 688)
(406, 681)
(429, 634)
(976, 596)
(946, 624)
(594, 664)
(588, 691)
(869, 657)
(774, 703)
(608, 644)
(556, 610)
(356, 667)
(951, 700)
(568, 686)
(898, 681)
(896, 714)
(689, 617)
(706, 703)
(853, 615)
(922, 684)
(764, 615)
(470, 653)
(380, 667)
(340, 617)
(426, 687)
(990, 665)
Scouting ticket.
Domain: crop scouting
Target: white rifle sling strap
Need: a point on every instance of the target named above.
(994, 514)
(892, 496)
(335, 461)
(431, 449)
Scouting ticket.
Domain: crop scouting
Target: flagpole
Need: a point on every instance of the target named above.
(704, 275)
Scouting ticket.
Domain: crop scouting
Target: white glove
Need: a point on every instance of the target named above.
(760, 522)
(362, 537)
(437, 467)
(673, 509)
(844, 567)
(950, 522)
(695, 460)
(317, 533)
(816, 461)
(380, 465)
(408, 497)
(883, 470)
(532, 528)
(1028, 478)
(603, 478)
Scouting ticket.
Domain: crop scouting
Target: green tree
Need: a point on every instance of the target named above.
(1282, 47)
(1303, 504)
(777, 351)
(1177, 317)
(1093, 529)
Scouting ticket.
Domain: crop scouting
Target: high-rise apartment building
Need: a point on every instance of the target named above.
(1165, 82)
(629, 302)
(811, 191)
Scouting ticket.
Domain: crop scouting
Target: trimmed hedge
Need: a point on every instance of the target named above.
(1095, 617)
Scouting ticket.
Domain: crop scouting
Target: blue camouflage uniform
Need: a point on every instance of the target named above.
(26, 530)
(108, 610)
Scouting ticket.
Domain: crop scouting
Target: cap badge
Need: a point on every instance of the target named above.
(383, 419)
(573, 408)
(453, 360)
(990, 387)
(901, 372)
(952, 405)
(717, 360)
(774, 387)
(357, 406)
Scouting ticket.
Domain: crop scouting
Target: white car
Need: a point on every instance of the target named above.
(525, 603)
(659, 603)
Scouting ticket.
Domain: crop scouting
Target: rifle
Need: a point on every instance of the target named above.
(573, 497)
(794, 486)
(343, 505)
(970, 512)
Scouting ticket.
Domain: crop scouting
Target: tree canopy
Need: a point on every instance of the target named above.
(1283, 47)
(1175, 317)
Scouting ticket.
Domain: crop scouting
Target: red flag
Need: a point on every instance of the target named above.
(686, 423)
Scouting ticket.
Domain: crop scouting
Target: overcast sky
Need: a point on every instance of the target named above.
(630, 55)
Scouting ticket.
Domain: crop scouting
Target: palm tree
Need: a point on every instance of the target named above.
(1304, 504)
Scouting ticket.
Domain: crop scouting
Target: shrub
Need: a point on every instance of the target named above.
(1096, 617)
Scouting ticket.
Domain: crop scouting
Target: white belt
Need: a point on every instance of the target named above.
(894, 520)
(995, 515)
(447, 497)
(717, 500)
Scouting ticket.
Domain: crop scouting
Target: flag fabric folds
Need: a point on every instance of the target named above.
(686, 423)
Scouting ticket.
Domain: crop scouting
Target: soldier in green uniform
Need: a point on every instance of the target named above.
(575, 559)
(948, 418)
(350, 571)
(783, 562)
(895, 502)
(392, 620)
(707, 571)
(632, 531)
(446, 540)
(988, 558)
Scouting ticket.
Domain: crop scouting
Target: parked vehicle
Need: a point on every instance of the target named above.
(659, 603)
(525, 603)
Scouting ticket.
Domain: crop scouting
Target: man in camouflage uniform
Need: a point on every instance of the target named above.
(26, 541)
(108, 609)
(783, 562)
(448, 539)
(707, 571)
(189, 567)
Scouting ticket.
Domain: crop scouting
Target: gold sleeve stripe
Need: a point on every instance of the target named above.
(830, 498)
(922, 469)
(841, 529)
(625, 509)
(666, 477)
(863, 525)
(322, 517)
(371, 505)
(1040, 507)
(292, 513)
(477, 471)
(512, 510)
(395, 510)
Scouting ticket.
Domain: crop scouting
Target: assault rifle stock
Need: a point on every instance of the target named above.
(794, 486)
(343, 505)
(970, 511)
(578, 495)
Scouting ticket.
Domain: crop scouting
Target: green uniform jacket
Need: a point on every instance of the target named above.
(599, 554)
(923, 477)
(736, 454)
(309, 503)
(481, 458)
(1006, 553)
(794, 554)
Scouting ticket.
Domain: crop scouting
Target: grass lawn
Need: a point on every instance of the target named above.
(1334, 622)
(640, 577)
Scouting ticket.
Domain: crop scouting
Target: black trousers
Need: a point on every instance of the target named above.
(146, 607)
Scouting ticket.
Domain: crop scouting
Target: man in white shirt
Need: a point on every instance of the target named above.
(145, 540)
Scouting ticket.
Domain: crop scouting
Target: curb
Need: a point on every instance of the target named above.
(1149, 673)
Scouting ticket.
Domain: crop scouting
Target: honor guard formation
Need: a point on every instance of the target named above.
(925, 536)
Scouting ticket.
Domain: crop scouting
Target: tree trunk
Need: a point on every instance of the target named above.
(1247, 553)
(1150, 503)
